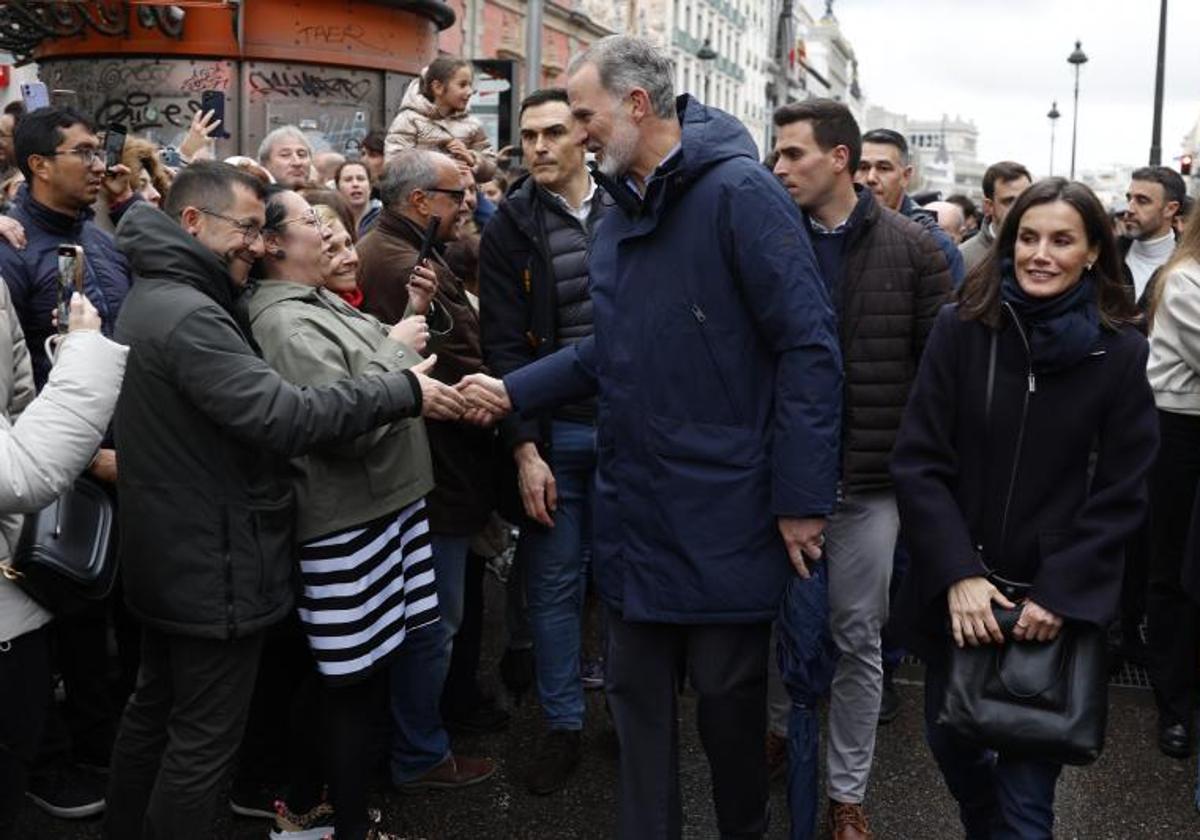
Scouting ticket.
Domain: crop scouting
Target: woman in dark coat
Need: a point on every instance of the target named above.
(1002, 486)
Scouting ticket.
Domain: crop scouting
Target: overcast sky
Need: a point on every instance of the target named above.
(1002, 62)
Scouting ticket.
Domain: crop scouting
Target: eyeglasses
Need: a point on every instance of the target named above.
(87, 154)
(249, 230)
(458, 195)
(308, 218)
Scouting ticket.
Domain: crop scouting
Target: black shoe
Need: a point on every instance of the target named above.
(258, 802)
(516, 670)
(889, 705)
(69, 794)
(484, 719)
(556, 759)
(1174, 740)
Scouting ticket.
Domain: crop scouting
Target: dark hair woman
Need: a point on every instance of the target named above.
(1037, 480)
(353, 183)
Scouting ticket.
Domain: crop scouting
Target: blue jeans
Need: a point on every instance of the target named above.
(556, 575)
(806, 655)
(998, 798)
(418, 673)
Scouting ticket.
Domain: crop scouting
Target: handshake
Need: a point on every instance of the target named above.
(478, 398)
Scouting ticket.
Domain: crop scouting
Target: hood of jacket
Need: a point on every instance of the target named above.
(414, 100)
(157, 247)
(708, 136)
(51, 220)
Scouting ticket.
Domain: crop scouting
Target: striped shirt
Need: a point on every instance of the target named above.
(365, 588)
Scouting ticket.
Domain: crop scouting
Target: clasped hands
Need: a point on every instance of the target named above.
(972, 622)
(478, 398)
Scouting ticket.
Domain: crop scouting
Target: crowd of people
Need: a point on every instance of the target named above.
(759, 426)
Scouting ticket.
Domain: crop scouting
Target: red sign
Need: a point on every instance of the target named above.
(5, 75)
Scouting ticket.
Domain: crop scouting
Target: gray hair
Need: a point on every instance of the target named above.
(285, 132)
(625, 63)
(412, 169)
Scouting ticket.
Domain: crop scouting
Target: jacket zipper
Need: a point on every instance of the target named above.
(1031, 389)
(701, 320)
(230, 621)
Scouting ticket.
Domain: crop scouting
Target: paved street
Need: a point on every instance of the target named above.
(1132, 793)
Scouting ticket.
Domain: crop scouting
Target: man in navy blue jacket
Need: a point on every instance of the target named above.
(716, 368)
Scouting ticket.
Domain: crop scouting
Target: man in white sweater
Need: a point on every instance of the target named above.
(1155, 196)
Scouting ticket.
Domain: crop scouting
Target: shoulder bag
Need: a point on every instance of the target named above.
(63, 559)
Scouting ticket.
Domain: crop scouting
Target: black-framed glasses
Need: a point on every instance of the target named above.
(459, 196)
(249, 230)
(87, 154)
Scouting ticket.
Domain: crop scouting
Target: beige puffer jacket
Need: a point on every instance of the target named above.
(420, 126)
(48, 440)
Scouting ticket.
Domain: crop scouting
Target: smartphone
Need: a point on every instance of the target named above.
(427, 238)
(35, 95)
(114, 145)
(214, 100)
(70, 280)
(170, 157)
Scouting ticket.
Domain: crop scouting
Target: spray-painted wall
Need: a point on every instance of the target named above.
(156, 98)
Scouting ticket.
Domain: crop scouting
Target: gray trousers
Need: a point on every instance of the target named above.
(860, 541)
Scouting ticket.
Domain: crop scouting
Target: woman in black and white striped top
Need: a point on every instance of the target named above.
(368, 591)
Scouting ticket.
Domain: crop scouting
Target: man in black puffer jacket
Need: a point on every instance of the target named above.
(888, 278)
(534, 300)
(205, 429)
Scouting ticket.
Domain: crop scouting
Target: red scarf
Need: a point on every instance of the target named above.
(354, 297)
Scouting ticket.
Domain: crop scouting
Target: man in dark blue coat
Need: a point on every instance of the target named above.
(716, 368)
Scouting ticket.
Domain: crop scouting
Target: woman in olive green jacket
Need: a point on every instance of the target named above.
(365, 562)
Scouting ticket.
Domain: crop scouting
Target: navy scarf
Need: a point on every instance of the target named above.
(1062, 330)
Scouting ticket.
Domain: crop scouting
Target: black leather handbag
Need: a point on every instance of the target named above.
(63, 559)
(1034, 700)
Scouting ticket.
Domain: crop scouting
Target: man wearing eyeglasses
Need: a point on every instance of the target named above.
(207, 430)
(62, 160)
(416, 186)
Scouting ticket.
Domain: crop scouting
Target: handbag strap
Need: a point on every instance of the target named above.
(989, 427)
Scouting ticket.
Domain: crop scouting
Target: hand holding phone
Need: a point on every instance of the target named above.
(114, 145)
(213, 101)
(70, 280)
(428, 238)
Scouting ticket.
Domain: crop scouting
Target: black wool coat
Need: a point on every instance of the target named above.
(1068, 520)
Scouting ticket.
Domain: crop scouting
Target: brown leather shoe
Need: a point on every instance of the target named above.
(776, 756)
(848, 822)
(454, 772)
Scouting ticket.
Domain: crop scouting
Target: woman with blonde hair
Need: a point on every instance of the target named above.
(1174, 371)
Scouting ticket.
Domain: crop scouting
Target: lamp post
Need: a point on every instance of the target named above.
(707, 56)
(1053, 116)
(1077, 58)
(1156, 130)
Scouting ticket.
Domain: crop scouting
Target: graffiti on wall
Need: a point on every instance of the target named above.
(153, 98)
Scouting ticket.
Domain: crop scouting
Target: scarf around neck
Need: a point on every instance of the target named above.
(1062, 330)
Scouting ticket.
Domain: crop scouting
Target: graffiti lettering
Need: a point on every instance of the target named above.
(347, 34)
(297, 85)
(215, 77)
(138, 111)
(112, 76)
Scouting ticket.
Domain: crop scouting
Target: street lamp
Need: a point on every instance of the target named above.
(1077, 58)
(707, 56)
(1053, 116)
